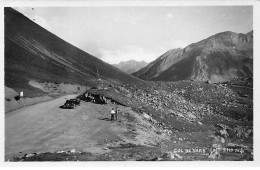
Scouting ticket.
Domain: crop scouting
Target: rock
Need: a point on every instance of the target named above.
(222, 140)
(248, 132)
(158, 159)
(72, 150)
(217, 146)
(105, 148)
(200, 123)
(27, 155)
(214, 154)
(171, 155)
(223, 133)
(146, 116)
(189, 114)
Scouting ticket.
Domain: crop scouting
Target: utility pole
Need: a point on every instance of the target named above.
(99, 79)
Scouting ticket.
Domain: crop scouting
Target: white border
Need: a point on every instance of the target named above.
(80, 3)
(70, 3)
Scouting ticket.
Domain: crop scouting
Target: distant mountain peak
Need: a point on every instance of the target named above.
(130, 66)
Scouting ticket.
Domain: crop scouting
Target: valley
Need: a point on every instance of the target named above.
(189, 104)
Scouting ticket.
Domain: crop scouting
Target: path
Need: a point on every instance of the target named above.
(44, 127)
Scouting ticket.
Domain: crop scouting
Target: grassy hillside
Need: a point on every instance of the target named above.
(33, 53)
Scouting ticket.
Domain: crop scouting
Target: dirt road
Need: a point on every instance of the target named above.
(45, 127)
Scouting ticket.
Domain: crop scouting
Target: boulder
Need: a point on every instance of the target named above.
(72, 150)
(222, 140)
(223, 132)
(146, 116)
(171, 155)
(215, 154)
(200, 123)
(190, 115)
(27, 155)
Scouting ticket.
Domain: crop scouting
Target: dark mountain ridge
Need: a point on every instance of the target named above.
(33, 53)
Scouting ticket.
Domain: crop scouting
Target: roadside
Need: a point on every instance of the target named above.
(47, 91)
(44, 127)
(172, 121)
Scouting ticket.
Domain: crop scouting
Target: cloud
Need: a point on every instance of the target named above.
(124, 18)
(171, 44)
(138, 53)
(24, 10)
(169, 15)
(128, 52)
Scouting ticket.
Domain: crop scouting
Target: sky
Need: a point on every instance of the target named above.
(121, 33)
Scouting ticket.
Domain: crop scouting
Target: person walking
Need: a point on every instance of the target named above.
(113, 114)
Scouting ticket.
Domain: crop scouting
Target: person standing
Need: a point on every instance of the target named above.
(21, 94)
(113, 114)
(19, 97)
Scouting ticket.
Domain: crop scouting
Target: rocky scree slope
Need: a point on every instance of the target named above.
(203, 121)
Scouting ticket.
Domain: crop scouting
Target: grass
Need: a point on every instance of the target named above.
(23, 36)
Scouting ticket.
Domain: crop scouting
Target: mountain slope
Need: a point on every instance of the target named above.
(218, 58)
(161, 64)
(33, 53)
(130, 66)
